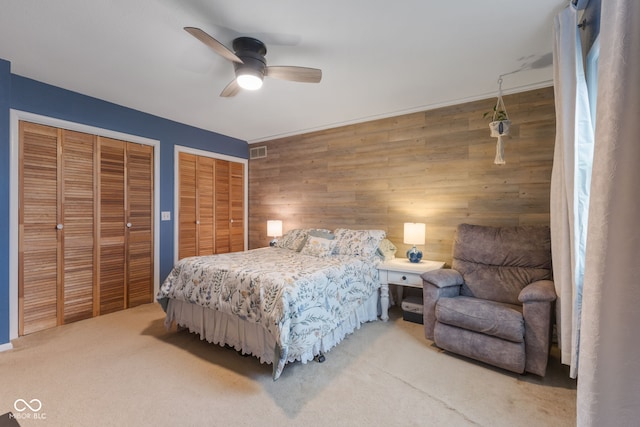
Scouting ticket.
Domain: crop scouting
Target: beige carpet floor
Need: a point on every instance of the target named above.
(126, 369)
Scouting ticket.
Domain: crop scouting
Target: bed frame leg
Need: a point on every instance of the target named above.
(320, 357)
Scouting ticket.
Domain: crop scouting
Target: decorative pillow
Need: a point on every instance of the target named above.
(318, 246)
(357, 242)
(387, 250)
(320, 232)
(293, 239)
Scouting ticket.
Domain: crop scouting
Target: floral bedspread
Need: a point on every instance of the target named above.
(297, 298)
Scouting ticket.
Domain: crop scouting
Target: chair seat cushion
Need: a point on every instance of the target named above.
(488, 317)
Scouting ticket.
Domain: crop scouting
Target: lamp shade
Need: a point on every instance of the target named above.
(414, 233)
(274, 228)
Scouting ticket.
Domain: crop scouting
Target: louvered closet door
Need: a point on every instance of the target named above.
(187, 208)
(126, 224)
(229, 197)
(236, 206)
(211, 206)
(78, 220)
(38, 279)
(197, 209)
(56, 271)
(112, 225)
(223, 208)
(139, 241)
(205, 205)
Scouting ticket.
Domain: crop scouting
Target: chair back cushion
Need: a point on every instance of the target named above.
(498, 262)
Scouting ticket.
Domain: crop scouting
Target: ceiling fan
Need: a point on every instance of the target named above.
(250, 64)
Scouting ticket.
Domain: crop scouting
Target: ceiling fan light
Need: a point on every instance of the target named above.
(249, 81)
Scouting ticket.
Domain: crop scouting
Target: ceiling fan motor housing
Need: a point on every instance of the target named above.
(251, 51)
(250, 65)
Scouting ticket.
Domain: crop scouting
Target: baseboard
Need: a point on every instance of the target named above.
(5, 347)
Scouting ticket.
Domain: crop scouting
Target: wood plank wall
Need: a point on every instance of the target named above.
(434, 167)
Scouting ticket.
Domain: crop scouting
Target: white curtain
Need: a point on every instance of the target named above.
(609, 371)
(570, 182)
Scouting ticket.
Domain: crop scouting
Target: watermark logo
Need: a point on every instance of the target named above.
(30, 410)
(21, 405)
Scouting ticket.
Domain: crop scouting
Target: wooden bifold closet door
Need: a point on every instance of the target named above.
(236, 204)
(56, 254)
(78, 192)
(139, 253)
(211, 205)
(126, 225)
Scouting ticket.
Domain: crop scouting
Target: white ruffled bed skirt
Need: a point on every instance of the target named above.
(251, 338)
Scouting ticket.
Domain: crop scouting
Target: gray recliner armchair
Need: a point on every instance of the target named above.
(495, 303)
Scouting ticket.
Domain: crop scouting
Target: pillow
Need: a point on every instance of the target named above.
(387, 250)
(357, 242)
(319, 232)
(293, 239)
(318, 246)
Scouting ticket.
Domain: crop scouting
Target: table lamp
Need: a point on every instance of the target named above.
(274, 229)
(414, 234)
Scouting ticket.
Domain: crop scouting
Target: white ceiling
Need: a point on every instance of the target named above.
(379, 57)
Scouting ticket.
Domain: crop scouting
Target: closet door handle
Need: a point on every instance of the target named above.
(231, 220)
(197, 222)
(59, 226)
(128, 225)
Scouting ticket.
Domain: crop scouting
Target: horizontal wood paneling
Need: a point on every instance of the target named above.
(434, 167)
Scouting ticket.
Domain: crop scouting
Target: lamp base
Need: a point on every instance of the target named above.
(273, 242)
(414, 255)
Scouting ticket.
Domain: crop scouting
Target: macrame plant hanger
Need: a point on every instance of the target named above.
(500, 125)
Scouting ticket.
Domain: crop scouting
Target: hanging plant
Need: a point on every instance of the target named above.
(500, 125)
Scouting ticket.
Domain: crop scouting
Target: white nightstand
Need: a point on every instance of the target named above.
(400, 271)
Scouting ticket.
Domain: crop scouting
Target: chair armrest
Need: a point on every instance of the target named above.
(443, 278)
(537, 307)
(437, 284)
(542, 290)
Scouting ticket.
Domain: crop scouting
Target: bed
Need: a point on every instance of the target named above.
(291, 302)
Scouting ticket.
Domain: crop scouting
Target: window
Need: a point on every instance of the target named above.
(593, 58)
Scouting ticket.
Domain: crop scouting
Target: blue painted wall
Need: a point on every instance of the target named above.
(5, 97)
(28, 95)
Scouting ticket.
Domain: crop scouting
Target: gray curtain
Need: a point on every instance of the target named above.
(609, 371)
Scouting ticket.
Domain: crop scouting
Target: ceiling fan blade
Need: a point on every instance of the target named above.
(295, 74)
(232, 89)
(214, 44)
